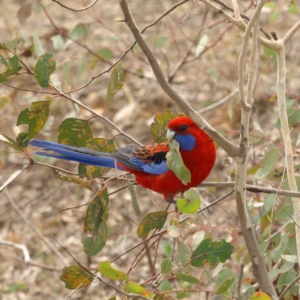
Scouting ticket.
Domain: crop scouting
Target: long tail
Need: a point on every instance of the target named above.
(78, 154)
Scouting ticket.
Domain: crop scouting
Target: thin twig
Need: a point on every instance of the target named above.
(22, 247)
(239, 23)
(289, 286)
(243, 16)
(219, 102)
(37, 232)
(79, 9)
(291, 32)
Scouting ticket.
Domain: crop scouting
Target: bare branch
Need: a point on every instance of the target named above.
(22, 247)
(257, 258)
(272, 44)
(291, 32)
(288, 149)
(254, 188)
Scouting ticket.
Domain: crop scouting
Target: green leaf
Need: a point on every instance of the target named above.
(293, 8)
(13, 68)
(191, 202)
(284, 212)
(35, 116)
(76, 277)
(79, 31)
(160, 41)
(248, 292)
(270, 5)
(134, 202)
(165, 286)
(108, 271)
(151, 221)
(134, 288)
(211, 252)
(268, 163)
(166, 266)
(276, 174)
(159, 126)
(269, 201)
(273, 17)
(57, 41)
(115, 83)
(290, 258)
(38, 47)
(4, 61)
(43, 69)
(294, 118)
(74, 132)
(82, 68)
(223, 288)
(255, 136)
(287, 265)
(183, 256)
(187, 278)
(93, 244)
(97, 212)
(105, 53)
(166, 248)
(173, 231)
(175, 163)
(95, 228)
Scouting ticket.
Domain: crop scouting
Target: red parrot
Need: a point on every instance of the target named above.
(148, 163)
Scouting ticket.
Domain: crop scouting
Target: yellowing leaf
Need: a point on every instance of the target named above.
(260, 296)
(108, 271)
(134, 288)
(76, 277)
(151, 221)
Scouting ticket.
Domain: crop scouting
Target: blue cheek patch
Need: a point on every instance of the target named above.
(151, 168)
(186, 141)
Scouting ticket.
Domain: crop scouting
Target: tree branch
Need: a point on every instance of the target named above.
(257, 258)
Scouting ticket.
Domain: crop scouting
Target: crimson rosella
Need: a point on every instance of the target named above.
(148, 163)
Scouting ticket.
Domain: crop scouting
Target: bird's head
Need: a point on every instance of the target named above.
(184, 131)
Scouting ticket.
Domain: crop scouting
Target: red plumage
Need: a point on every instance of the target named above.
(200, 160)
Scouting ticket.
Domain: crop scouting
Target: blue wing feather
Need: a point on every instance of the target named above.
(102, 159)
(82, 155)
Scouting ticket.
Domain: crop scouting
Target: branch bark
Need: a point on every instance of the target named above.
(246, 98)
(289, 164)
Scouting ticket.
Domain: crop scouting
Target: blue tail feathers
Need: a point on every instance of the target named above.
(83, 155)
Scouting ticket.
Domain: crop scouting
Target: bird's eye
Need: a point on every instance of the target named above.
(183, 128)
